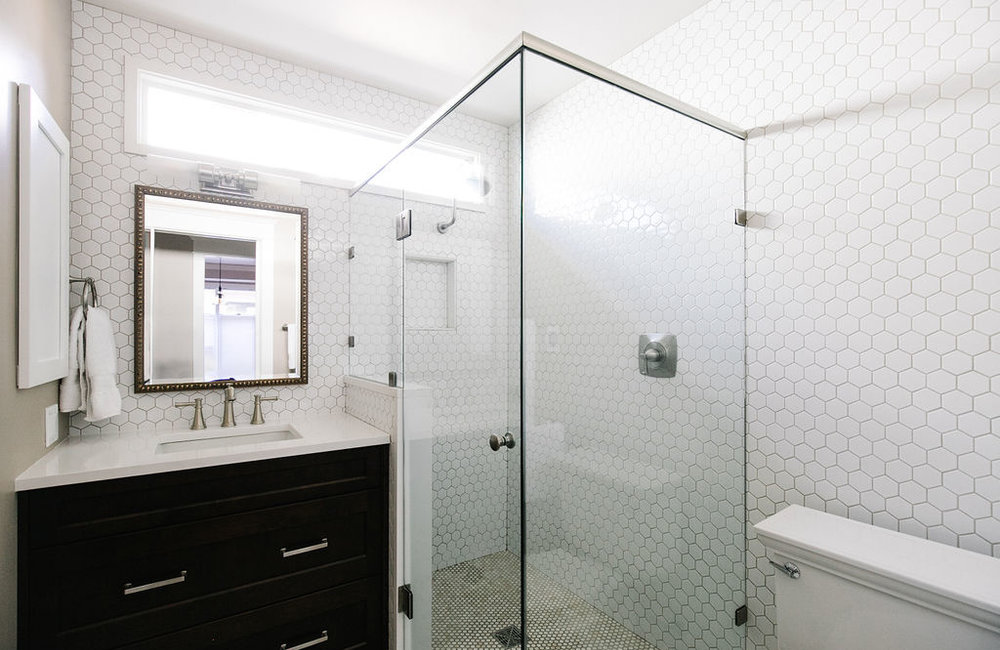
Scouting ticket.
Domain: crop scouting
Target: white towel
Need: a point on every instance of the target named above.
(292, 346)
(102, 399)
(70, 387)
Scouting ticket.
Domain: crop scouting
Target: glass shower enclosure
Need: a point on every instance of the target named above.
(560, 314)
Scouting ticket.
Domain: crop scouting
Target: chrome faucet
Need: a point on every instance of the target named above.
(198, 421)
(227, 411)
(258, 415)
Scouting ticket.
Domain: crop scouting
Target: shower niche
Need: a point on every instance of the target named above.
(594, 213)
(430, 283)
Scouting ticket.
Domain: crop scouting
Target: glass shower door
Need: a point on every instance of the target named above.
(568, 482)
(452, 227)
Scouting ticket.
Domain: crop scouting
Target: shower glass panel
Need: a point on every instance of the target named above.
(457, 364)
(634, 483)
(376, 281)
(616, 518)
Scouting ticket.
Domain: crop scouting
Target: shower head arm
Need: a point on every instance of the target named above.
(443, 226)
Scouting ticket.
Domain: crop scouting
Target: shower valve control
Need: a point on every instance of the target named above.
(658, 355)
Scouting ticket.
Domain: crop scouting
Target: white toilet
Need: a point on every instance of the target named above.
(844, 585)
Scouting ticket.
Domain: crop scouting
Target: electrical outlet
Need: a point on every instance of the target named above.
(51, 425)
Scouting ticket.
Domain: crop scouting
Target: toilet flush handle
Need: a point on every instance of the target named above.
(788, 569)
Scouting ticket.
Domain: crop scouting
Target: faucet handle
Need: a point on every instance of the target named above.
(198, 421)
(258, 415)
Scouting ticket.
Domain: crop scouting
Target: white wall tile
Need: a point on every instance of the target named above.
(360, 296)
(635, 484)
(103, 175)
(872, 255)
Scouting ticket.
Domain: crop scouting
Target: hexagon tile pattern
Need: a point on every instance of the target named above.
(873, 274)
(467, 370)
(359, 297)
(103, 174)
(872, 256)
(635, 484)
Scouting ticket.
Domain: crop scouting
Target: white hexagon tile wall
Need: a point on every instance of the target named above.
(103, 174)
(872, 286)
(873, 255)
(635, 483)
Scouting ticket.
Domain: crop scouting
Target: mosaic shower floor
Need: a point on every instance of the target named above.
(475, 599)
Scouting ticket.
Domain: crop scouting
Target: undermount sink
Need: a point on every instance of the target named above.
(218, 438)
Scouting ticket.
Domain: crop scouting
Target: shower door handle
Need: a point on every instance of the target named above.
(506, 441)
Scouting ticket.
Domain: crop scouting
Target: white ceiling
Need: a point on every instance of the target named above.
(426, 49)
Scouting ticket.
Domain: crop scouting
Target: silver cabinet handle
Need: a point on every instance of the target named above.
(305, 549)
(322, 638)
(129, 589)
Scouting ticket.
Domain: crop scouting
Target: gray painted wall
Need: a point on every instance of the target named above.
(34, 49)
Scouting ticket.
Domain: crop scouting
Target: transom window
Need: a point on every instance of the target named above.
(186, 119)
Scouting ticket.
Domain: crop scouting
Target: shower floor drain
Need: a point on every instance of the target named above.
(509, 637)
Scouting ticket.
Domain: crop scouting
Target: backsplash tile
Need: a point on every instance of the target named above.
(372, 404)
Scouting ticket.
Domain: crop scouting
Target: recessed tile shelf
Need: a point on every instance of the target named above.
(430, 293)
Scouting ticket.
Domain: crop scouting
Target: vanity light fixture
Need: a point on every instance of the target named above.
(227, 181)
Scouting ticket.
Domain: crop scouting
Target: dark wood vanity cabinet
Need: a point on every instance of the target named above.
(282, 553)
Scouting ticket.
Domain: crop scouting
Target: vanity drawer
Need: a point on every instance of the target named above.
(224, 527)
(172, 574)
(348, 617)
(62, 515)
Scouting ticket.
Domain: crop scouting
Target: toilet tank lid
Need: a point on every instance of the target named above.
(940, 571)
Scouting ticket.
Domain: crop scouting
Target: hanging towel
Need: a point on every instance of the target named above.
(71, 386)
(292, 346)
(102, 399)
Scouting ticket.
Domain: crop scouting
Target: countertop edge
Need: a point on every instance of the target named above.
(34, 479)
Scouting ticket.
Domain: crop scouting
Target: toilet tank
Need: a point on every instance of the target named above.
(860, 587)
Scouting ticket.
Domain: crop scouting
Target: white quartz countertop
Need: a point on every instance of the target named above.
(81, 459)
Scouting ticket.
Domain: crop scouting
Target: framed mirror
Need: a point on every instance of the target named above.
(221, 291)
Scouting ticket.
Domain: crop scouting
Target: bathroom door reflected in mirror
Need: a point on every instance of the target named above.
(220, 291)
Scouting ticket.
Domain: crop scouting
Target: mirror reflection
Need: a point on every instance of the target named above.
(222, 291)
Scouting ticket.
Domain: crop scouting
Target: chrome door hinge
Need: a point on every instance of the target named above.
(404, 224)
(350, 341)
(741, 217)
(406, 601)
(740, 618)
(350, 253)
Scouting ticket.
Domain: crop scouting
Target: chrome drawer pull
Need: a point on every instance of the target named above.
(322, 638)
(305, 549)
(129, 589)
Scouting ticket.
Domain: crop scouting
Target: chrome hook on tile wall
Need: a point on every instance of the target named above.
(443, 226)
(89, 284)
